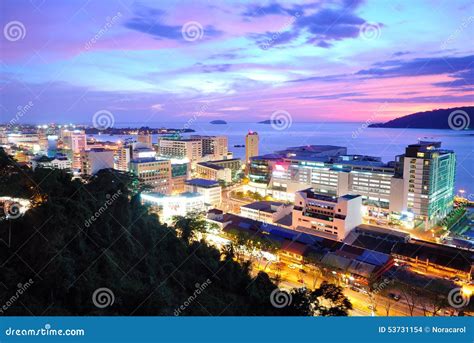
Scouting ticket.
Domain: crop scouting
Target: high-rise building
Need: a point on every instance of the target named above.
(42, 132)
(215, 146)
(181, 148)
(76, 142)
(123, 157)
(327, 216)
(428, 175)
(155, 173)
(94, 160)
(251, 146)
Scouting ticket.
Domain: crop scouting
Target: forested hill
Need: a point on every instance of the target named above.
(458, 118)
(64, 256)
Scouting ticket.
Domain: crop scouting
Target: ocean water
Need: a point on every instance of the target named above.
(382, 142)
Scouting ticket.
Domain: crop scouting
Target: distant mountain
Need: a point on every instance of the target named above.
(218, 122)
(457, 118)
(269, 121)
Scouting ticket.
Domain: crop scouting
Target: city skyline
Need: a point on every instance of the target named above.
(318, 61)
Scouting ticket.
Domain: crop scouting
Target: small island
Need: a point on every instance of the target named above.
(270, 121)
(456, 118)
(218, 122)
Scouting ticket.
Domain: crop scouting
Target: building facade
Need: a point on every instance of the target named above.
(94, 160)
(326, 216)
(251, 146)
(211, 190)
(155, 173)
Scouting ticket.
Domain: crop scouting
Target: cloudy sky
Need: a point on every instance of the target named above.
(341, 60)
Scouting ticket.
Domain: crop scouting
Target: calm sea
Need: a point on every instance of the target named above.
(385, 143)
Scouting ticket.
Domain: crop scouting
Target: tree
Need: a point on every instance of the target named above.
(329, 300)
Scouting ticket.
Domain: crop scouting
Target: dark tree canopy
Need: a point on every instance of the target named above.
(150, 269)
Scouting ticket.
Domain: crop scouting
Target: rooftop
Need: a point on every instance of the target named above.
(202, 183)
(264, 206)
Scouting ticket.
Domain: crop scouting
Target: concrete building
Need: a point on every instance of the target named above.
(155, 173)
(251, 146)
(428, 181)
(169, 206)
(326, 216)
(76, 142)
(266, 211)
(179, 174)
(211, 190)
(94, 160)
(181, 148)
(234, 164)
(123, 158)
(57, 162)
(214, 146)
(211, 171)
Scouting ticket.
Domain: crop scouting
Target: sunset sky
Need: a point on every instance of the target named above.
(345, 60)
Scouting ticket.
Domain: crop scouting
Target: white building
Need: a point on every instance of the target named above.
(96, 159)
(326, 216)
(169, 206)
(211, 190)
(266, 211)
(57, 162)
